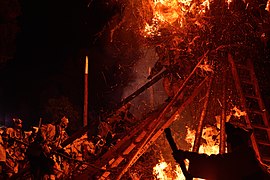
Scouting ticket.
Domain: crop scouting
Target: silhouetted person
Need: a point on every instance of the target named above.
(240, 163)
(40, 163)
(46, 143)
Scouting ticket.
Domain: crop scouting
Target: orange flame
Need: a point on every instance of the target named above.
(164, 171)
(168, 13)
(190, 137)
(238, 113)
(210, 134)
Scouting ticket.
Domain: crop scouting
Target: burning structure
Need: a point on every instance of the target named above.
(206, 54)
(206, 51)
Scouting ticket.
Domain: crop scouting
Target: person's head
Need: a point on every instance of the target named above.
(17, 123)
(237, 136)
(64, 122)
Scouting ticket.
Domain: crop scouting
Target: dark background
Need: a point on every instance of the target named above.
(48, 53)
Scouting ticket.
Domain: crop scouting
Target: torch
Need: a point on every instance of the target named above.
(174, 149)
(85, 106)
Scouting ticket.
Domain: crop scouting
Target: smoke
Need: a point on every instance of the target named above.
(154, 95)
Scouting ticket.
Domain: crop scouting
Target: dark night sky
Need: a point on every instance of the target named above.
(53, 40)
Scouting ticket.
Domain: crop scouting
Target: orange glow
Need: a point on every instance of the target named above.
(164, 170)
(238, 113)
(267, 8)
(211, 136)
(167, 13)
(206, 67)
(228, 2)
(235, 111)
(190, 137)
(161, 169)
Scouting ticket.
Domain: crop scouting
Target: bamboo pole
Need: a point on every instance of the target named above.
(201, 121)
(222, 145)
(85, 107)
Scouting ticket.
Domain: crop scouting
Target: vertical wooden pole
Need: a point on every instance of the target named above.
(222, 145)
(85, 107)
(203, 114)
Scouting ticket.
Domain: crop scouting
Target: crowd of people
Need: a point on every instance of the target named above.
(30, 150)
(38, 154)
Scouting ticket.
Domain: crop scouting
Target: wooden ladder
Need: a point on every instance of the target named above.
(250, 98)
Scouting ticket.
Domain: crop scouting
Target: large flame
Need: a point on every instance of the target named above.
(211, 136)
(164, 171)
(168, 13)
(210, 145)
